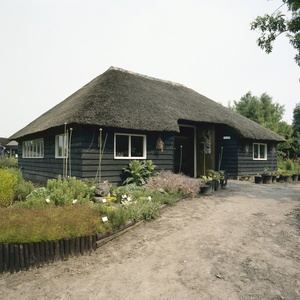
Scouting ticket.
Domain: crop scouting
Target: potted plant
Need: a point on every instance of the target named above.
(258, 179)
(215, 178)
(223, 179)
(287, 178)
(275, 175)
(207, 188)
(267, 176)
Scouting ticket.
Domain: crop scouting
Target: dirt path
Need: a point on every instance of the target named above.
(242, 243)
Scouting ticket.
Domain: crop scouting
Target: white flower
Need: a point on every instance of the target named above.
(74, 201)
(129, 199)
(124, 196)
(104, 219)
(47, 200)
(149, 198)
(103, 200)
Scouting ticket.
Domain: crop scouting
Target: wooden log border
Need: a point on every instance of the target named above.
(22, 257)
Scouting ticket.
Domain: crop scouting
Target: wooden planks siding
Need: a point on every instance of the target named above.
(42, 169)
(112, 169)
(238, 154)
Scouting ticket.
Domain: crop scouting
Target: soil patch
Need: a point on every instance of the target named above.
(241, 243)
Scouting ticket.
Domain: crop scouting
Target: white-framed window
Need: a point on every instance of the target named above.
(60, 146)
(259, 151)
(33, 149)
(130, 146)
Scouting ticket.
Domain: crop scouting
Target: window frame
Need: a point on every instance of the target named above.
(258, 151)
(33, 148)
(129, 135)
(57, 145)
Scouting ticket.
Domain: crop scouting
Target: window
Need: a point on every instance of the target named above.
(60, 146)
(33, 149)
(260, 151)
(130, 146)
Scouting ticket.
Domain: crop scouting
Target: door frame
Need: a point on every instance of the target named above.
(195, 145)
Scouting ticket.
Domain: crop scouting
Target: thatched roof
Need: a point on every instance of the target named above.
(122, 99)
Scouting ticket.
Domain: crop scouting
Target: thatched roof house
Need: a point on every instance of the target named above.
(122, 99)
(126, 102)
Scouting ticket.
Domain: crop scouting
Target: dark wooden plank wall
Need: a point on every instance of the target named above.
(111, 169)
(42, 169)
(229, 161)
(238, 154)
(248, 166)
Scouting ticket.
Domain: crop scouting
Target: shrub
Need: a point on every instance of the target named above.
(116, 215)
(8, 187)
(289, 165)
(65, 192)
(35, 200)
(177, 184)
(9, 162)
(24, 187)
(139, 171)
(148, 208)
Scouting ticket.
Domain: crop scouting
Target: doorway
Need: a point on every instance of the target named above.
(184, 151)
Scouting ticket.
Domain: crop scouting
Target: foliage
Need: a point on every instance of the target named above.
(67, 192)
(36, 199)
(36, 225)
(295, 145)
(206, 178)
(216, 175)
(266, 113)
(171, 183)
(296, 118)
(47, 215)
(271, 26)
(116, 215)
(287, 165)
(286, 131)
(8, 187)
(9, 162)
(23, 187)
(142, 208)
(139, 171)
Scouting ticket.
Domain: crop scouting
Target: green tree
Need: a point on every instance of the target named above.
(296, 118)
(271, 26)
(296, 133)
(265, 112)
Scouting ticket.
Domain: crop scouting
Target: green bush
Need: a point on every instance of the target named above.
(67, 192)
(8, 187)
(289, 165)
(139, 171)
(9, 162)
(33, 203)
(37, 199)
(149, 209)
(24, 187)
(116, 215)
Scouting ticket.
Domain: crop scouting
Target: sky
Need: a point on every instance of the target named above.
(51, 48)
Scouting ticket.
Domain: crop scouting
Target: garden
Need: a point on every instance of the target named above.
(67, 209)
(288, 171)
